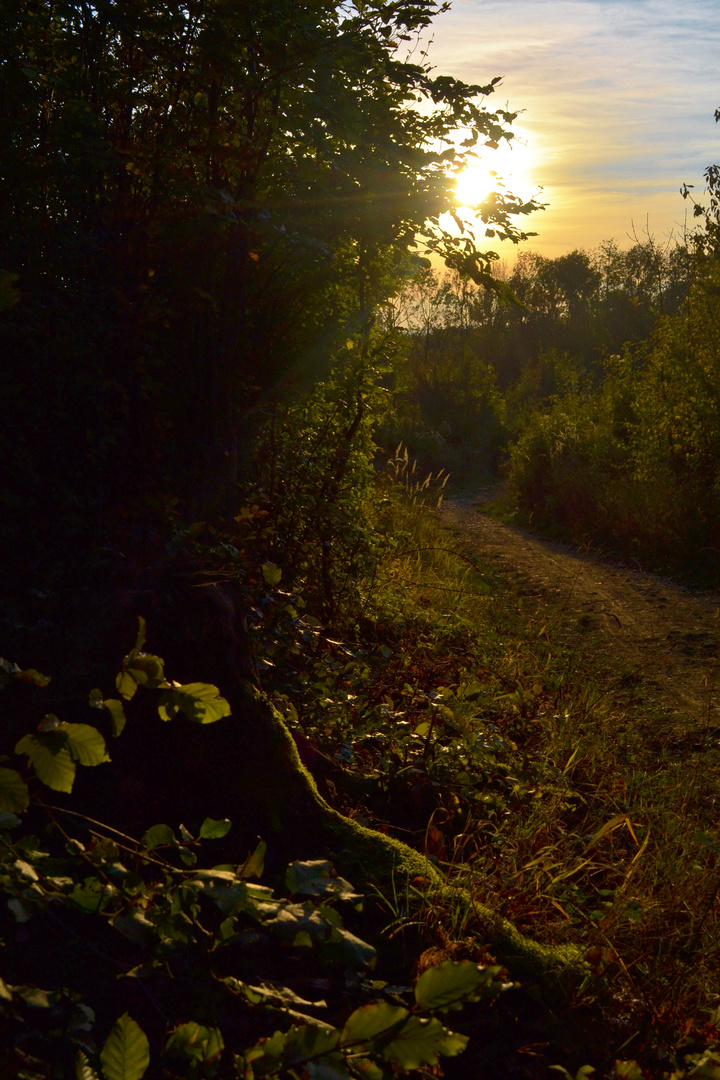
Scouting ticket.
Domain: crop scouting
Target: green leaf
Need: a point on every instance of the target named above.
(51, 760)
(200, 702)
(159, 835)
(14, 794)
(195, 1042)
(369, 1022)
(83, 1068)
(126, 1053)
(214, 830)
(254, 865)
(452, 983)
(307, 1041)
(317, 877)
(126, 685)
(421, 1042)
(146, 669)
(271, 573)
(266, 1056)
(86, 744)
(117, 715)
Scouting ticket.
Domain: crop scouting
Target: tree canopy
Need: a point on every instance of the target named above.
(197, 198)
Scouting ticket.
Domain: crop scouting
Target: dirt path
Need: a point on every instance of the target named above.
(661, 635)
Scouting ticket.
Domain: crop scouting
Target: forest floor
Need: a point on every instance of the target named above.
(655, 634)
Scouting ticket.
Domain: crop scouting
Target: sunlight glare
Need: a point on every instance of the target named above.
(507, 168)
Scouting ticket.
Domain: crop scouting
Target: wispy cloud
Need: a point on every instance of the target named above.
(618, 96)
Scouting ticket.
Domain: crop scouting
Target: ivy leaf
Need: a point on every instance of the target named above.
(14, 794)
(86, 744)
(452, 983)
(214, 830)
(51, 760)
(200, 702)
(126, 1053)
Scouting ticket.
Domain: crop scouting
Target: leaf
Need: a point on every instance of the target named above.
(53, 766)
(86, 744)
(200, 702)
(421, 1042)
(371, 1021)
(451, 983)
(195, 1042)
(83, 1068)
(271, 573)
(14, 794)
(254, 865)
(117, 715)
(707, 1068)
(308, 1041)
(126, 1053)
(35, 678)
(159, 835)
(317, 877)
(214, 830)
(126, 685)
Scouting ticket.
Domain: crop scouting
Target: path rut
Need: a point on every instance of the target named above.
(658, 633)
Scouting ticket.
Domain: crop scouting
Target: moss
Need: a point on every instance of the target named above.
(362, 854)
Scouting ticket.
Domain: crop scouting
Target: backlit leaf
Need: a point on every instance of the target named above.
(214, 830)
(54, 767)
(86, 744)
(200, 702)
(14, 795)
(271, 573)
(83, 1068)
(117, 715)
(195, 1042)
(126, 1053)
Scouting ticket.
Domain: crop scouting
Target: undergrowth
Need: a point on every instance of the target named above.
(535, 778)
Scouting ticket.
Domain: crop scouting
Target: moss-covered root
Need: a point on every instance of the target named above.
(362, 854)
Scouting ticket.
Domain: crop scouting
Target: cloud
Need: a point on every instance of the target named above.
(618, 97)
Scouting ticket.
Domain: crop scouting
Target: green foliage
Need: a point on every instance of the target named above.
(126, 1052)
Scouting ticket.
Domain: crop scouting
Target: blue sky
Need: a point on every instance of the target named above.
(619, 97)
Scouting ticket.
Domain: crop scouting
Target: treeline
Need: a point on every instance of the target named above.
(595, 388)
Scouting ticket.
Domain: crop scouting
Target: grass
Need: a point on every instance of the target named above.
(536, 778)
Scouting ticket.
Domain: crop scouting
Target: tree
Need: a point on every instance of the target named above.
(198, 198)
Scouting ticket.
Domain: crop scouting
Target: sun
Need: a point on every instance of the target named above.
(508, 168)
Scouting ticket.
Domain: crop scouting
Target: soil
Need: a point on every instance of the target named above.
(644, 630)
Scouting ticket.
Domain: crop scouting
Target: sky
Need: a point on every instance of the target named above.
(618, 97)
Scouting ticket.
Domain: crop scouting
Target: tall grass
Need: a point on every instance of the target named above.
(565, 802)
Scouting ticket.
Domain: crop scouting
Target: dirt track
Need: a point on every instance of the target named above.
(657, 633)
